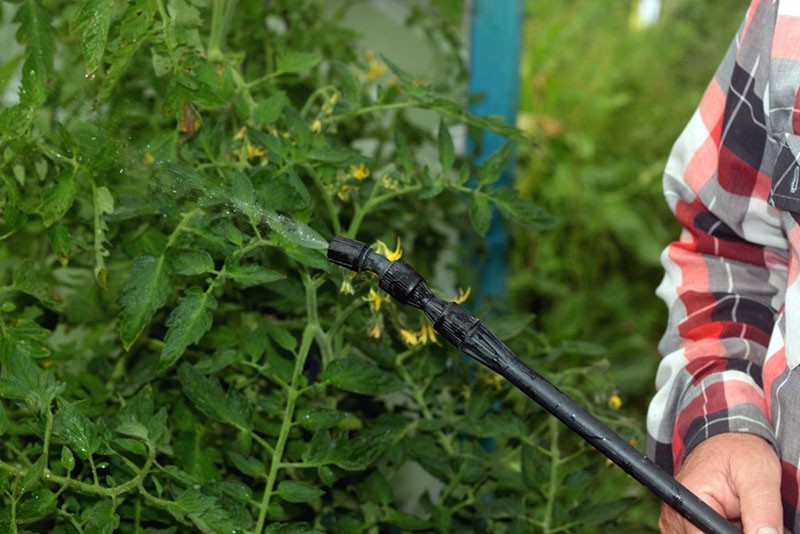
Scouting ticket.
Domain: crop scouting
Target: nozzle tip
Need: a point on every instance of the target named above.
(346, 252)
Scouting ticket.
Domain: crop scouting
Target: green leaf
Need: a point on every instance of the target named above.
(297, 491)
(23, 380)
(606, 512)
(144, 294)
(376, 488)
(187, 323)
(36, 34)
(280, 335)
(192, 262)
(480, 212)
(58, 198)
(247, 465)
(407, 521)
(37, 505)
(356, 376)
(4, 422)
(103, 205)
(67, 459)
(447, 151)
(207, 395)
(525, 212)
(75, 430)
(100, 518)
(494, 424)
(32, 476)
(269, 110)
(92, 23)
(252, 274)
(316, 418)
(28, 279)
(491, 169)
(294, 61)
(132, 35)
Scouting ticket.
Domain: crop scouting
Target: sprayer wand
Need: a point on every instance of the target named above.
(470, 335)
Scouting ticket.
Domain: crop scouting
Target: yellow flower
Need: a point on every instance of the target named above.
(316, 126)
(615, 401)
(427, 334)
(375, 330)
(409, 337)
(633, 442)
(375, 300)
(254, 151)
(343, 192)
(240, 134)
(359, 172)
(346, 287)
(462, 295)
(391, 255)
(148, 158)
(328, 106)
(376, 68)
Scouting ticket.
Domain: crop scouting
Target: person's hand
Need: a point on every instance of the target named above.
(739, 476)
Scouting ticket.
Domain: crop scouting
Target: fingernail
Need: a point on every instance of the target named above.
(767, 530)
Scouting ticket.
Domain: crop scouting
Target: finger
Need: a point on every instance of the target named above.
(760, 500)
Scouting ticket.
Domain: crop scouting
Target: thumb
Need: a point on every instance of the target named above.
(760, 502)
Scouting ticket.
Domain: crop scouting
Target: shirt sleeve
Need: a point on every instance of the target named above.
(725, 277)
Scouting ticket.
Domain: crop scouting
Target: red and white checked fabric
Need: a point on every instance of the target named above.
(732, 346)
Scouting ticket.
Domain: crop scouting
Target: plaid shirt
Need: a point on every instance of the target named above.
(732, 345)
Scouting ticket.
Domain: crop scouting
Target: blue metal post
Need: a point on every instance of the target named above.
(495, 43)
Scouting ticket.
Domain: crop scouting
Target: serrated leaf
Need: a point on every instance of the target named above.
(58, 198)
(523, 211)
(132, 35)
(187, 323)
(298, 492)
(447, 151)
(294, 61)
(207, 395)
(317, 418)
(23, 380)
(37, 505)
(252, 275)
(92, 23)
(144, 294)
(480, 213)
(269, 110)
(29, 280)
(247, 465)
(32, 476)
(491, 169)
(75, 430)
(36, 34)
(192, 262)
(103, 204)
(356, 376)
(100, 518)
(280, 335)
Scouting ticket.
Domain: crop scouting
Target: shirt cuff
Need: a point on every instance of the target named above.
(724, 402)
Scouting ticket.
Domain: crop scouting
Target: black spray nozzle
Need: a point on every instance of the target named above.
(466, 332)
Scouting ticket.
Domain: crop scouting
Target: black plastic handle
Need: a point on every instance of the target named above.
(467, 333)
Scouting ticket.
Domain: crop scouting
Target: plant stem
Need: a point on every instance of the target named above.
(337, 225)
(217, 30)
(553, 483)
(292, 395)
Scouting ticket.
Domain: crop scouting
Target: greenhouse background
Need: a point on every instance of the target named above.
(177, 354)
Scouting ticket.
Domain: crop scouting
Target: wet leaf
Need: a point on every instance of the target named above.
(358, 377)
(187, 323)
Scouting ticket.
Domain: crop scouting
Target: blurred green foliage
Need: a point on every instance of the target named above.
(605, 99)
